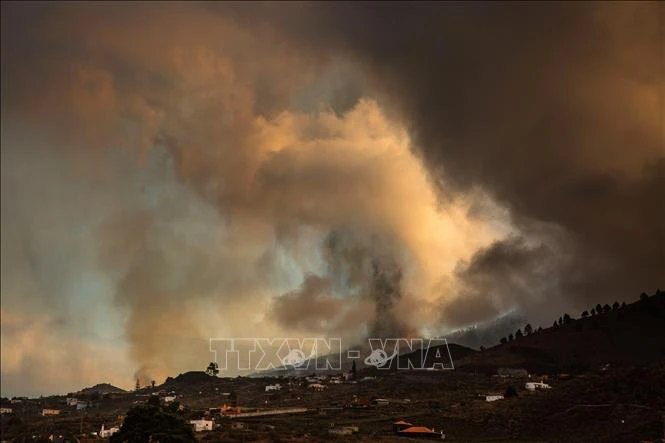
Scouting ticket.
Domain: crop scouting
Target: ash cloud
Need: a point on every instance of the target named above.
(556, 110)
(431, 164)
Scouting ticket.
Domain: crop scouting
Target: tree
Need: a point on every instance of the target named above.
(585, 314)
(518, 334)
(607, 308)
(567, 319)
(560, 321)
(152, 383)
(504, 340)
(212, 369)
(353, 369)
(540, 328)
(599, 308)
(138, 384)
(482, 348)
(154, 401)
(147, 423)
(615, 305)
(593, 311)
(233, 398)
(511, 391)
(644, 296)
(528, 329)
(510, 337)
(623, 304)
(555, 325)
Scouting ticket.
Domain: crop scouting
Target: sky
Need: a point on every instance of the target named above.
(174, 171)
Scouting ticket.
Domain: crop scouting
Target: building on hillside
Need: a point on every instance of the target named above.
(80, 405)
(421, 432)
(46, 412)
(400, 425)
(71, 401)
(380, 402)
(169, 398)
(343, 430)
(201, 425)
(238, 425)
(106, 433)
(317, 387)
(532, 386)
(275, 387)
(5, 410)
(492, 397)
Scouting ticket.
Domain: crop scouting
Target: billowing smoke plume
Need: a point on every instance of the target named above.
(557, 110)
(187, 171)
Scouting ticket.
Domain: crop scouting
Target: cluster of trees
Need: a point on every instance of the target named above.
(599, 309)
(567, 319)
(212, 369)
(528, 330)
(154, 422)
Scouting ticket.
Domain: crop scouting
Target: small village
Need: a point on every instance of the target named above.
(339, 405)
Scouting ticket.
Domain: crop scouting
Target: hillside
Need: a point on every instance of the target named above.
(632, 335)
(101, 389)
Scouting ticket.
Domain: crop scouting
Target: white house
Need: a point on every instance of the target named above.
(46, 412)
(343, 430)
(6, 410)
(275, 387)
(201, 425)
(532, 386)
(106, 433)
(169, 398)
(493, 397)
(317, 387)
(71, 401)
(80, 405)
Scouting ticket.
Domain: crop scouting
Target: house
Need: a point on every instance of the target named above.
(343, 430)
(357, 403)
(401, 425)
(106, 433)
(421, 432)
(5, 410)
(169, 398)
(380, 402)
(80, 405)
(46, 412)
(71, 401)
(275, 387)
(201, 425)
(493, 397)
(532, 386)
(317, 387)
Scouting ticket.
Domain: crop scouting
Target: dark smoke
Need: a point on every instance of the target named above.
(556, 109)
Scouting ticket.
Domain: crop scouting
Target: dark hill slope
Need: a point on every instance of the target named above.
(630, 336)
